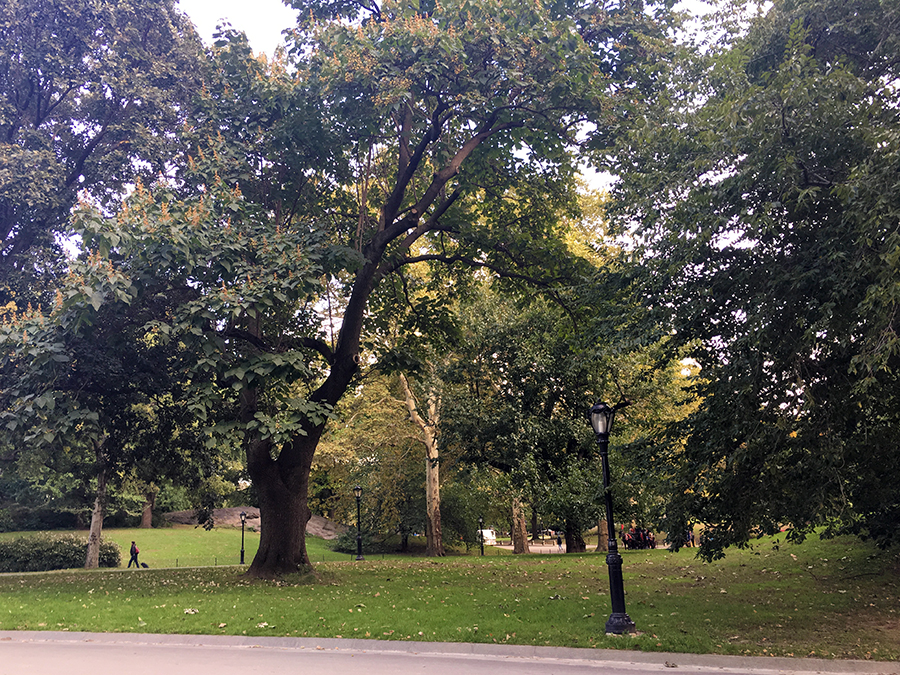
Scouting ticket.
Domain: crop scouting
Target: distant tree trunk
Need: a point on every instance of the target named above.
(404, 542)
(434, 546)
(149, 503)
(534, 525)
(602, 536)
(92, 559)
(519, 529)
(574, 540)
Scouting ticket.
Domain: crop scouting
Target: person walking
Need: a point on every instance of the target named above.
(134, 554)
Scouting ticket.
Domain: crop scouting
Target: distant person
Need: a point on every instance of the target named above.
(559, 543)
(134, 554)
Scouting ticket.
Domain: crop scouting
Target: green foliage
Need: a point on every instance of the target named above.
(371, 543)
(449, 138)
(40, 552)
(463, 501)
(763, 191)
(17, 518)
(521, 390)
(90, 94)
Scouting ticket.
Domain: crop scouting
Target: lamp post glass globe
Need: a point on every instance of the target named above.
(602, 418)
(619, 622)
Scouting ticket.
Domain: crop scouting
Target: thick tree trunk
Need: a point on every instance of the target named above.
(519, 529)
(434, 545)
(92, 560)
(574, 540)
(602, 536)
(147, 513)
(282, 486)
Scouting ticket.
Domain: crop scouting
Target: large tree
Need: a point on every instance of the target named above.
(763, 189)
(453, 139)
(523, 383)
(87, 393)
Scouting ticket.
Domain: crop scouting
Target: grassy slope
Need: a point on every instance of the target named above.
(824, 598)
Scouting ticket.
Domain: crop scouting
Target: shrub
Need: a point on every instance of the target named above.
(346, 543)
(41, 552)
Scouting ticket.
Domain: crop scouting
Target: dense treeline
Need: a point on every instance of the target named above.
(371, 255)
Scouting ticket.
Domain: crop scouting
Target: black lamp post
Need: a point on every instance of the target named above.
(357, 491)
(243, 520)
(481, 532)
(619, 622)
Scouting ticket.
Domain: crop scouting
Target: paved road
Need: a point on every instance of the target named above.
(49, 653)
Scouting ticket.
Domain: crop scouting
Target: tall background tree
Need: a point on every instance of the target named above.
(763, 192)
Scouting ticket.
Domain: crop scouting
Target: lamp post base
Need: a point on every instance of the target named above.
(619, 623)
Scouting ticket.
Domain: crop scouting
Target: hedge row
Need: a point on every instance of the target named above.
(42, 552)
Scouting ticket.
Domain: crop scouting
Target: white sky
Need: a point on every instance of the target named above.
(261, 20)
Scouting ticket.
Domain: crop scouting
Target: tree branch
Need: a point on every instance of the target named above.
(293, 343)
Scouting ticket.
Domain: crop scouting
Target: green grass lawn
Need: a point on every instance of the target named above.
(187, 546)
(836, 598)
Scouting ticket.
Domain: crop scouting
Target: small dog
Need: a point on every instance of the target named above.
(145, 566)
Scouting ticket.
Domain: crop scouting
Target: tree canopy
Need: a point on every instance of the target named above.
(762, 191)
(454, 137)
(91, 94)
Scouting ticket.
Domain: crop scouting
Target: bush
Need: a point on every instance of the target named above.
(42, 552)
(346, 543)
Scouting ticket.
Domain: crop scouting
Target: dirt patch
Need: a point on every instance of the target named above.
(231, 517)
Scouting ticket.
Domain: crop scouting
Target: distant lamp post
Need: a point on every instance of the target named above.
(243, 522)
(357, 491)
(619, 622)
(481, 532)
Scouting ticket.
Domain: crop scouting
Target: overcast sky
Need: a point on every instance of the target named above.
(261, 20)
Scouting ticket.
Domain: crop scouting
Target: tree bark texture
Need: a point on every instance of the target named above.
(602, 538)
(92, 560)
(574, 540)
(283, 486)
(428, 426)
(147, 513)
(519, 528)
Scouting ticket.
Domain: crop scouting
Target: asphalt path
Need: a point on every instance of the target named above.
(61, 653)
